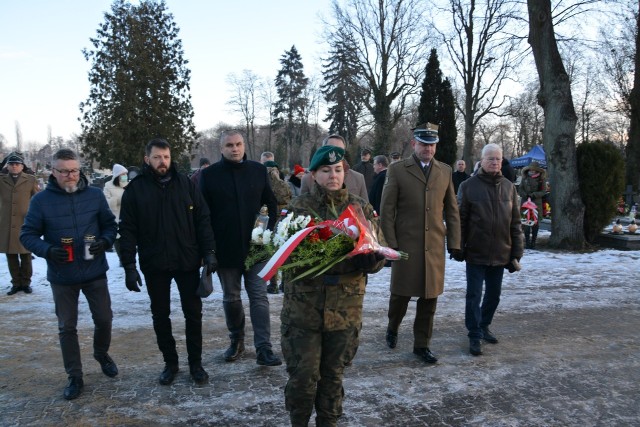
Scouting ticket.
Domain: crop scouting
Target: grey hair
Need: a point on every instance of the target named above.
(491, 148)
(228, 133)
(65, 154)
(334, 136)
(381, 159)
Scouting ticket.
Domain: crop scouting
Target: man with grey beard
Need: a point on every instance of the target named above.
(70, 224)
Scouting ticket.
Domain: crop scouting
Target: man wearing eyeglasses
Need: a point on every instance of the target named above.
(491, 242)
(17, 186)
(66, 214)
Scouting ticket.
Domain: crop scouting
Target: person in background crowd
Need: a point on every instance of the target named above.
(113, 191)
(268, 156)
(321, 317)
(165, 220)
(365, 167)
(282, 191)
(507, 170)
(491, 241)
(380, 164)
(195, 178)
(459, 175)
(17, 186)
(296, 180)
(352, 179)
(533, 185)
(60, 219)
(235, 189)
(395, 156)
(418, 194)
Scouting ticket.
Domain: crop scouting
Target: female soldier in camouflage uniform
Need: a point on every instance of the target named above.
(321, 317)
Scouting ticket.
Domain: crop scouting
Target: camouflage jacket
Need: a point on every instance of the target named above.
(280, 188)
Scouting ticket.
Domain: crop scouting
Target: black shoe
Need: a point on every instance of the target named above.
(235, 350)
(392, 338)
(108, 366)
(488, 336)
(475, 347)
(27, 289)
(73, 388)
(272, 288)
(169, 374)
(199, 375)
(14, 290)
(425, 354)
(267, 358)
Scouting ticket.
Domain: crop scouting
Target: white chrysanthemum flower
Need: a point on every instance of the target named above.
(256, 235)
(266, 237)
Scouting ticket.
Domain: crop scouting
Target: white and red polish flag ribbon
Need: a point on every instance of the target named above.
(281, 255)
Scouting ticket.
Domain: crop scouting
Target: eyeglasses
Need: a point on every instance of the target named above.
(67, 172)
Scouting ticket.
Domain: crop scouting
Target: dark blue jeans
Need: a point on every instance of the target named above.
(230, 279)
(66, 298)
(159, 290)
(478, 316)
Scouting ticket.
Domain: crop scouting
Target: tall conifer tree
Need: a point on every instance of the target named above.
(139, 85)
(437, 106)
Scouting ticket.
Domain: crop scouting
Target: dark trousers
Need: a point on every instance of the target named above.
(476, 315)
(20, 269)
(423, 323)
(66, 298)
(159, 290)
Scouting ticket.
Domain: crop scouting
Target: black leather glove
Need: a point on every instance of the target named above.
(456, 254)
(210, 262)
(57, 254)
(513, 266)
(367, 261)
(132, 278)
(98, 247)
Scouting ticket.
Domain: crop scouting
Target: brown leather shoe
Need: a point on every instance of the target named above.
(235, 350)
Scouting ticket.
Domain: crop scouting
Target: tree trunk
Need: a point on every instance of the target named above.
(633, 144)
(559, 134)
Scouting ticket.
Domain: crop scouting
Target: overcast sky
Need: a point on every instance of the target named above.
(43, 74)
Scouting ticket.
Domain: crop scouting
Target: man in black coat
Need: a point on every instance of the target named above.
(459, 176)
(380, 164)
(365, 167)
(235, 189)
(165, 219)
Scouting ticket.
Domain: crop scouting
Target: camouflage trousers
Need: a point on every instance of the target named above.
(321, 321)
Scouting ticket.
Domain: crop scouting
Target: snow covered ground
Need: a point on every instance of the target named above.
(568, 280)
(548, 370)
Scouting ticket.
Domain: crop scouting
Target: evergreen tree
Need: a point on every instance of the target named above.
(437, 106)
(448, 133)
(139, 85)
(343, 88)
(290, 107)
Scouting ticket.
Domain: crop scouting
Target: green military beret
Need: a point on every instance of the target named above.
(271, 164)
(326, 155)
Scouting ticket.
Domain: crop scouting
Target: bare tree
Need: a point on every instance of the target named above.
(559, 129)
(483, 55)
(527, 119)
(267, 95)
(18, 137)
(243, 100)
(390, 39)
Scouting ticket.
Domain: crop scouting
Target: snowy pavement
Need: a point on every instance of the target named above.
(568, 355)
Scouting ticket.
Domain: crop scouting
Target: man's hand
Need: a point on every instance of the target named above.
(513, 266)
(367, 261)
(132, 278)
(57, 254)
(98, 247)
(211, 262)
(456, 254)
